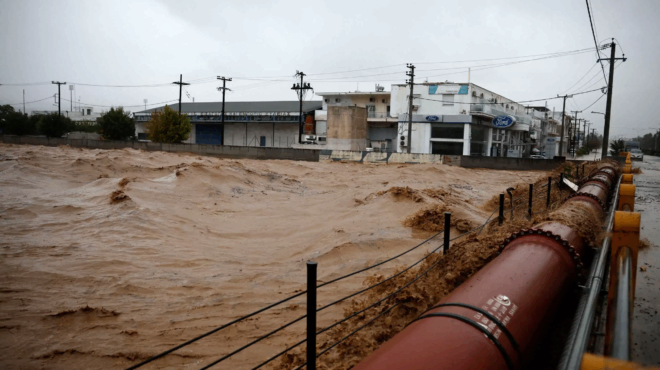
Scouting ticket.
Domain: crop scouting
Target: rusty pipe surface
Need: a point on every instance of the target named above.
(494, 319)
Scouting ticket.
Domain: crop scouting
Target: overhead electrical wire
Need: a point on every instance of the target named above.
(30, 102)
(581, 78)
(123, 106)
(591, 23)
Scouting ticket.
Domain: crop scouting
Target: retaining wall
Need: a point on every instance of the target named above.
(378, 157)
(504, 163)
(222, 151)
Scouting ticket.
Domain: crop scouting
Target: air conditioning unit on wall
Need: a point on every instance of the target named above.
(372, 100)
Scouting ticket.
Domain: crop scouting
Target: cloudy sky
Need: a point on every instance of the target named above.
(341, 45)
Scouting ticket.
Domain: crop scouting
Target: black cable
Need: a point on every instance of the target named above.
(591, 23)
(252, 343)
(379, 263)
(578, 81)
(279, 354)
(30, 102)
(215, 331)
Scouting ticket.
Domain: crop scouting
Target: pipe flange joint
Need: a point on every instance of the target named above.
(575, 256)
(598, 179)
(588, 195)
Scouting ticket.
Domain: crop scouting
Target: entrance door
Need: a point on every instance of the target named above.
(262, 141)
(208, 134)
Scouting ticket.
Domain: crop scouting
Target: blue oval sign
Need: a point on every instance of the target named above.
(432, 118)
(503, 121)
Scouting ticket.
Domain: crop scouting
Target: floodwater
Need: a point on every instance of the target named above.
(646, 320)
(108, 257)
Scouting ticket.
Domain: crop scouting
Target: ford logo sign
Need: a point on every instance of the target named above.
(503, 121)
(432, 118)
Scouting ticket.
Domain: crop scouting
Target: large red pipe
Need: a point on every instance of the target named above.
(493, 319)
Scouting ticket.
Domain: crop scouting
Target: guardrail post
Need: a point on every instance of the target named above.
(445, 245)
(531, 194)
(311, 315)
(501, 218)
(547, 201)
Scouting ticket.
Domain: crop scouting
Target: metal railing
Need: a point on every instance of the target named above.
(378, 115)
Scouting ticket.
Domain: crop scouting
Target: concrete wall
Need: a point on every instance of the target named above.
(502, 163)
(378, 157)
(347, 128)
(222, 151)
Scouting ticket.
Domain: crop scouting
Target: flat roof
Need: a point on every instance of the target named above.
(355, 93)
(242, 106)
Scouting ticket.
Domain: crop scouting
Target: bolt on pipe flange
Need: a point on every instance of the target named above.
(575, 256)
(588, 195)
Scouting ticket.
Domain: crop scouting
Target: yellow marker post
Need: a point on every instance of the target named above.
(627, 178)
(626, 197)
(595, 362)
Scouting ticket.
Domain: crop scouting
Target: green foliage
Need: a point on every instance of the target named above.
(583, 151)
(117, 124)
(15, 123)
(594, 143)
(168, 126)
(86, 126)
(617, 146)
(54, 125)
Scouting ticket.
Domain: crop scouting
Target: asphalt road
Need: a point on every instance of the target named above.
(646, 319)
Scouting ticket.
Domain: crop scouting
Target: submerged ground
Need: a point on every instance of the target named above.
(109, 256)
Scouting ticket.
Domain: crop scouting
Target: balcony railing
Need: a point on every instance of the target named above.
(378, 115)
(497, 110)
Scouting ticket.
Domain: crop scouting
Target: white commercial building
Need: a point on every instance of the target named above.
(462, 119)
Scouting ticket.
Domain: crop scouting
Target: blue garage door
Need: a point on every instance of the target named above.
(208, 134)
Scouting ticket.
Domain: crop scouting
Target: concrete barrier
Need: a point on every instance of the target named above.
(503, 163)
(378, 157)
(221, 151)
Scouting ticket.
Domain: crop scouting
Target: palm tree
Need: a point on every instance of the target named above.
(617, 146)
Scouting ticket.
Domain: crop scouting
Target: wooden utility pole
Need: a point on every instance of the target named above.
(180, 83)
(300, 88)
(411, 82)
(224, 88)
(608, 111)
(59, 97)
(575, 128)
(563, 115)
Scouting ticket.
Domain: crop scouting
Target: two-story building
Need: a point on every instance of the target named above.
(377, 129)
(461, 119)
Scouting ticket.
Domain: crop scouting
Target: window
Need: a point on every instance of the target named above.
(447, 131)
(142, 136)
(446, 148)
(447, 99)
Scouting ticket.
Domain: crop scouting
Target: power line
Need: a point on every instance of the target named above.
(585, 75)
(30, 102)
(591, 23)
(518, 102)
(124, 106)
(594, 102)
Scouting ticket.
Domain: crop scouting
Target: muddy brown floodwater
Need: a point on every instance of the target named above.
(110, 256)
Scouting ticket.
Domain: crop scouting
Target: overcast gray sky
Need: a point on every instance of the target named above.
(151, 42)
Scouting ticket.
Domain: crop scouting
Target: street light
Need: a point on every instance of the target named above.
(598, 112)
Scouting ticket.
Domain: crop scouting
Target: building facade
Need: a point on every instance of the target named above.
(462, 119)
(266, 123)
(357, 121)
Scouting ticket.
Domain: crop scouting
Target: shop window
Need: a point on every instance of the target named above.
(446, 148)
(447, 131)
(447, 99)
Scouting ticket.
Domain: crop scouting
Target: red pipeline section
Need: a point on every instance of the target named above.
(494, 319)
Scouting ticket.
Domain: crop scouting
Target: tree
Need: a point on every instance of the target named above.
(617, 146)
(117, 124)
(168, 126)
(54, 125)
(15, 123)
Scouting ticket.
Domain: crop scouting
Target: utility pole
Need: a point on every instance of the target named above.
(410, 74)
(24, 112)
(608, 112)
(301, 87)
(575, 131)
(71, 97)
(180, 83)
(224, 88)
(563, 123)
(59, 100)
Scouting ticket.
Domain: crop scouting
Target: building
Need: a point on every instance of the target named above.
(84, 114)
(357, 121)
(259, 123)
(463, 119)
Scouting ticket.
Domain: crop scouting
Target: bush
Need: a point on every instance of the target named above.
(86, 126)
(168, 126)
(116, 124)
(54, 125)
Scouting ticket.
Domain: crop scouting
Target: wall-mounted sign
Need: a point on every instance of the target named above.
(448, 89)
(503, 121)
(432, 118)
